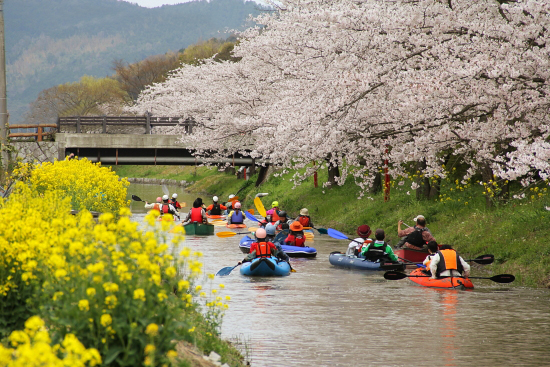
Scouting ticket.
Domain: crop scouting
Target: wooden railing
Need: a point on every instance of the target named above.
(39, 134)
(79, 124)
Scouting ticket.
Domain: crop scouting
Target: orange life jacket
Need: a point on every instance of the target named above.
(156, 207)
(263, 249)
(448, 260)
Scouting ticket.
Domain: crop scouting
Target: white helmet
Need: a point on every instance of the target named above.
(231, 196)
(215, 198)
(165, 197)
(174, 196)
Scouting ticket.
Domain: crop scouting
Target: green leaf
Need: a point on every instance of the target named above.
(113, 353)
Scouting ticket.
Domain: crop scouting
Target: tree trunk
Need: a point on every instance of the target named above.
(423, 191)
(486, 176)
(262, 175)
(333, 173)
(377, 184)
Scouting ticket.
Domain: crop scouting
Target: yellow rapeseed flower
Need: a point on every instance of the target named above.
(105, 319)
(152, 329)
(84, 305)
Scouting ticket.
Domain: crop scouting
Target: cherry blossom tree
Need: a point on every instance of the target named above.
(350, 83)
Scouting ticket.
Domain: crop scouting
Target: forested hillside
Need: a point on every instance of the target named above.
(59, 41)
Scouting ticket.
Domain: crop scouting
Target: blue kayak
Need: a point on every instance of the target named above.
(352, 262)
(291, 251)
(265, 267)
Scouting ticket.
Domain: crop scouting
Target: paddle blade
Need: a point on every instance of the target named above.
(251, 211)
(485, 259)
(260, 207)
(252, 229)
(136, 198)
(226, 271)
(393, 275)
(183, 205)
(251, 217)
(165, 190)
(321, 230)
(309, 236)
(174, 229)
(335, 234)
(226, 234)
(503, 278)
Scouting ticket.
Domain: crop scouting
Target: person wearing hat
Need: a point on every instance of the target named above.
(196, 214)
(174, 201)
(229, 204)
(236, 216)
(354, 247)
(274, 208)
(215, 208)
(167, 208)
(154, 206)
(296, 236)
(414, 237)
(379, 250)
(261, 248)
(282, 219)
(304, 218)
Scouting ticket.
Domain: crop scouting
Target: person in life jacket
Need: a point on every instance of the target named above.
(229, 204)
(282, 219)
(261, 248)
(154, 206)
(271, 234)
(433, 247)
(415, 237)
(355, 246)
(215, 208)
(296, 236)
(167, 208)
(236, 216)
(174, 201)
(274, 208)
(379, 250)
(304, 218)
(196, 214)
(446, 262)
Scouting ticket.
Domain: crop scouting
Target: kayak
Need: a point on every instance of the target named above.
(215, 216)
(448, 282)
(236, 225)
(265, 267)
(199, 229)
(415, 256)
(352, 262)
(291, 251)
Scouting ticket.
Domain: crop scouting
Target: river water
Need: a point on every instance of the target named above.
(326, 316)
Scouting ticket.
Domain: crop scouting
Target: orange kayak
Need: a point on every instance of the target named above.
(215, 216)
(449, 282)
(236, 225)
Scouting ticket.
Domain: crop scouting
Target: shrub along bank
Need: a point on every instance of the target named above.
(516, 232)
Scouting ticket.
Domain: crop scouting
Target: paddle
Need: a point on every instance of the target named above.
(228, 234)
(339, 235)
(252, 229)
(502, 278)
(260, 207)
(137, 198)
(251, 217)
(483, 260)
(165, 190)
(226, 271)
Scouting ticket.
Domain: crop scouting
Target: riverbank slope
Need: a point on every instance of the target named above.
(517, 233)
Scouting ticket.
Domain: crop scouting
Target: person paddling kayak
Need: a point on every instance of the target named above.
(282, 219)
(296, 236)
(304, 218)
(355, 246)
(154, 206)
(271, 234)
(446, 262)
(432, 250)
(174, 201)
(379, 251)
(236, 216)
(196, 214)
(215, 208)
(415, 237)
(167, 208)
(260, 248)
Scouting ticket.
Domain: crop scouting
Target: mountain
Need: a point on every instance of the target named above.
(58, 41)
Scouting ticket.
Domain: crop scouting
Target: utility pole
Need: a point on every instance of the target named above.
(3, 101)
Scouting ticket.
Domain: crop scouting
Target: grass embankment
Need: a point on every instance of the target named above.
(517, 233)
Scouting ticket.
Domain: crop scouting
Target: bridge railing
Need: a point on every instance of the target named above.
(38, 131)
(120, 124)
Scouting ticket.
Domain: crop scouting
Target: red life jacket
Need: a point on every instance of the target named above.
(165, 208)
(263, 249)
(196, 215)
(304, 221)
(295, 240)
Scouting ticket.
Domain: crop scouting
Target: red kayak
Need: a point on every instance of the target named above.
(414, 256)
(236, 225)
(448, 282)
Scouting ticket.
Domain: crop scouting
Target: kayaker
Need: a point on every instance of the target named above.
(174, 201)
(271, 234)
(379, 250)
(296, 236)
(154, 206)
(446, 262)
(274, 208)
(236, 216)
(196, 214)
(282, 219)
(415, 237)
(260, 248)
(215, 208)
(355, 246)
(229, 204)
(167, 208)
(304, 218)
(432, 249)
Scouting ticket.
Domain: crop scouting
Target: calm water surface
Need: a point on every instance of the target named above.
(326, 316)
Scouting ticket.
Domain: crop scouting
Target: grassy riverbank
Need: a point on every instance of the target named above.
(517, 233)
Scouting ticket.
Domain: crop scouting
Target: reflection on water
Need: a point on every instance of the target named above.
(326, 316)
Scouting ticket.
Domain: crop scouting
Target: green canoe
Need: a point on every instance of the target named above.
(199, 229)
